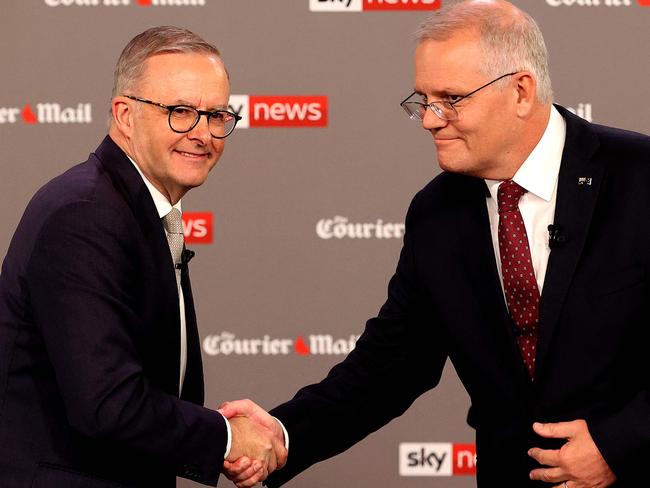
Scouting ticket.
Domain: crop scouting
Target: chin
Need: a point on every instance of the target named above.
(453, 166)
(194, 183)
(194, 178)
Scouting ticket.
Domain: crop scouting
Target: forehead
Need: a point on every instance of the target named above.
(446, 65)
(185, 76)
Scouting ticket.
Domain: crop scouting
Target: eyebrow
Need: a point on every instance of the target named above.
(181, 101)
(444, 91)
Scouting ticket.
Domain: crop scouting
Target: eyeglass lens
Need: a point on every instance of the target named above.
(183, 119)
(416, 110)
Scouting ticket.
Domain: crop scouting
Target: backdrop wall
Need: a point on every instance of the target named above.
(299, 227)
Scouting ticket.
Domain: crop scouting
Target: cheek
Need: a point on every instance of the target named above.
(172, 140)
(470, 134)
(484, 137)
(218, 145)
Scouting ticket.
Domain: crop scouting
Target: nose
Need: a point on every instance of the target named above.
(201, 131)
(431, 121)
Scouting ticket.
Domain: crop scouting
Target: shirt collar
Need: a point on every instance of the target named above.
(163, 206)
(539, 172)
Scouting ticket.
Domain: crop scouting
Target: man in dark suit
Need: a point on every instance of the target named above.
(548, 331)
(101, 382)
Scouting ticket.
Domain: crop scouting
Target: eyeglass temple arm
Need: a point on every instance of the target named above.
(403, 101)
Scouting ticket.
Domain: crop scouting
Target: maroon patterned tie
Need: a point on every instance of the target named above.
(519, 283)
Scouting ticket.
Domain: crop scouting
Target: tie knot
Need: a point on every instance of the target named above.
(173, 222)
(508, 196)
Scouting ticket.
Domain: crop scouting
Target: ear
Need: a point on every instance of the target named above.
(123, 109)
(526, 87)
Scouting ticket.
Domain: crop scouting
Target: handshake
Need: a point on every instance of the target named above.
(258, 443)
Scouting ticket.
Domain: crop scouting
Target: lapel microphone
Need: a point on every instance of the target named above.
(186, 256)
(556, 235)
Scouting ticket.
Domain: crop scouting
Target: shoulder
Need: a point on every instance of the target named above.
(448, 191)
(87, 185)
(623, 142)
(82, 200)
(609, 140)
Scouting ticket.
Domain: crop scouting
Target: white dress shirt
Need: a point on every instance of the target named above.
(538, 175)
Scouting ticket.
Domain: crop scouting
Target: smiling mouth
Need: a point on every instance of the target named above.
(192, 155)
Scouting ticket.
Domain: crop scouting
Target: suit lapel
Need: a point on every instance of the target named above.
(576, 200)
(481, 268)
(128, 182)
(193, 383)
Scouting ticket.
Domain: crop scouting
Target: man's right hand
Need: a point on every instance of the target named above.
(257, 444)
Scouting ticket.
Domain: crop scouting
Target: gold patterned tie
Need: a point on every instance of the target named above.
(173, 224)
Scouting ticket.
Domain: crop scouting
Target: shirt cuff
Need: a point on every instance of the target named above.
(229, 443)
(286, 434)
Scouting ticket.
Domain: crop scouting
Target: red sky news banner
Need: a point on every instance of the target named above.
(197, 227)
(125, 3)
(280, 110)
(369, 5)
(437, 459)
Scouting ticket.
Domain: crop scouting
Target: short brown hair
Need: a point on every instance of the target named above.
(157, 40)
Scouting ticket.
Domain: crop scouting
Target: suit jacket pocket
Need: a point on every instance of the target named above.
(54, 476)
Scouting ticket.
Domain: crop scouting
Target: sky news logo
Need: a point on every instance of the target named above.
(371, 5)
(437, 459)
(47, 113)
(125, 3)
(227, 344)
(279, 110)
(597, 3)
(197, 227)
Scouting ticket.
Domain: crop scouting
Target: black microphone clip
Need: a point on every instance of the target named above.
(556, 235)
(186, 256)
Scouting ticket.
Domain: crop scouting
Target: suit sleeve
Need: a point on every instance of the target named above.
(81, 278)
(624, 437)
(396, 359)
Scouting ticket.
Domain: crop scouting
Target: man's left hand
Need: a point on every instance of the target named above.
(577, 462)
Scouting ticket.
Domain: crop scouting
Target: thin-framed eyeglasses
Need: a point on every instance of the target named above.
(444, 109)
(183, 118)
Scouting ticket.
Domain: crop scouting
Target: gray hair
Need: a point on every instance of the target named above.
(157, 40)
(509, 42)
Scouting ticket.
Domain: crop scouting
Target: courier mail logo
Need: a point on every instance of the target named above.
(227, 343)
(124, 3)
(279, 110)
(197, 227)
(437, 459)
(170, 3)
(47, 113)
(340, 227)
(368, 5)
(596, 3)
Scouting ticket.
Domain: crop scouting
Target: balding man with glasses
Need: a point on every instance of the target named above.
(101, 382)
(525, 263)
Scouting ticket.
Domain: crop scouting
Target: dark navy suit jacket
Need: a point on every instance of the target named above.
(89, 342)
(446, 301)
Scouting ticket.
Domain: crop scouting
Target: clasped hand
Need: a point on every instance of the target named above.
(577, 464)
(257, 443)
